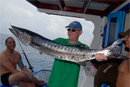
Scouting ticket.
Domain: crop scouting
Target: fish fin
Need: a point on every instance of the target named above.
(40, 53)
(81, 46)
(82, 63)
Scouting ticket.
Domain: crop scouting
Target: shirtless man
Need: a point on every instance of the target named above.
(123, 79)
(10, 76)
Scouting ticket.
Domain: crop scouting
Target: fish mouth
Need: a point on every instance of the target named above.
(14, 31)
(24, 37)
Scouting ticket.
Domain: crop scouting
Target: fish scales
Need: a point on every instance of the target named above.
(77, 54)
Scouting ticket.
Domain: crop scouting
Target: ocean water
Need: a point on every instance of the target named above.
(36, 60)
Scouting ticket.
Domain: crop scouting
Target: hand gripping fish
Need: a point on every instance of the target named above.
(77, 54)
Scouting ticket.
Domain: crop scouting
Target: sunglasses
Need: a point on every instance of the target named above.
(73, 30)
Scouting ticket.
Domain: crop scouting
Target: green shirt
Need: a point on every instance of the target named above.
(64, 73)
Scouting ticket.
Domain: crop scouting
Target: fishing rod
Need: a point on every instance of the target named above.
(30, 67)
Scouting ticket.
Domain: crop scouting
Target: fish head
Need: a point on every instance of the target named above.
(23, 36)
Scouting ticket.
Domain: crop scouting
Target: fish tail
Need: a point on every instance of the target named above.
(115, 47)
(116, 43)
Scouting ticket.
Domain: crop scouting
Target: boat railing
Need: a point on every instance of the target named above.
(42, 74)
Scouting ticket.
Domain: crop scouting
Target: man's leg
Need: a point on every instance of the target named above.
(26, 84)
(16, 78)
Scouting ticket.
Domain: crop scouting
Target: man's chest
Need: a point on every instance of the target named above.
(124, 67)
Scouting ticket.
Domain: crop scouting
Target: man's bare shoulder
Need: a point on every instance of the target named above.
(3, 54)
(16, 52)
(17, 55)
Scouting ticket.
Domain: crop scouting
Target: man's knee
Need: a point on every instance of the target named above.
(17, 77)
(23, 74)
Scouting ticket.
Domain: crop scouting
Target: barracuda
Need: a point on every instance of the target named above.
(77, 54)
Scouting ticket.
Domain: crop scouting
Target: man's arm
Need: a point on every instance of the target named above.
(21, 65)
(23, 68)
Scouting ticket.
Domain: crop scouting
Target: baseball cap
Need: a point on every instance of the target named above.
(123, 34)
(75, 25)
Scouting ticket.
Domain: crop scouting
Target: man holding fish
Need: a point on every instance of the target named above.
(66, 73)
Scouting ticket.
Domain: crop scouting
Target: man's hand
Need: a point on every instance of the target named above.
(100, 57)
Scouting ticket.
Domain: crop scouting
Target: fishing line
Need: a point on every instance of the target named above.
(30, 67)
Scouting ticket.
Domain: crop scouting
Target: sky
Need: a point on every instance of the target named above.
(22, 14)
